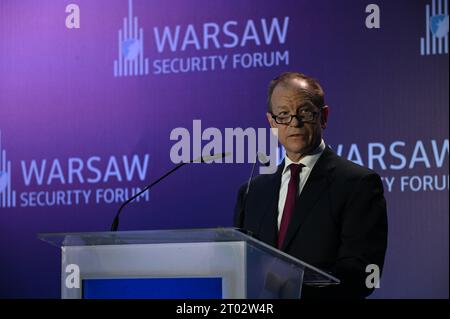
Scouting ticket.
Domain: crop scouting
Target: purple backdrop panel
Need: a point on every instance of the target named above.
(90, 94)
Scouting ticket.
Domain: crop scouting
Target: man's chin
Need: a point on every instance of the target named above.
(296, 147)
(296, 150)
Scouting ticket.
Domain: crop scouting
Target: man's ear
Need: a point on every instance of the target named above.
(324, 116)
(270, 119)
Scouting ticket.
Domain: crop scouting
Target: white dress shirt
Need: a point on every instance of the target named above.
(309, 161)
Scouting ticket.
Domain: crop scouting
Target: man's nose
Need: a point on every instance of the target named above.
(296, 122)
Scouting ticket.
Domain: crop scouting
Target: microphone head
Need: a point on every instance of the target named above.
(262, 158)
(210, 158)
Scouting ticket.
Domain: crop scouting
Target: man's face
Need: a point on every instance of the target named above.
(298, 138)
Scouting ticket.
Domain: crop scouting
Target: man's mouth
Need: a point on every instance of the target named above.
(295, 135)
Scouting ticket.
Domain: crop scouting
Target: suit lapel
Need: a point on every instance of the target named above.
(268, 230)
(315, 186)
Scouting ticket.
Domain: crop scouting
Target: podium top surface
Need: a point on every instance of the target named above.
(312, 274)
(145, 237)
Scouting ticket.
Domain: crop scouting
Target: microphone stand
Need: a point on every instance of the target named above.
(241, 218)
(115, 223)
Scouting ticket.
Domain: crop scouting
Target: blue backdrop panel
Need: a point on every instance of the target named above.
(159, 288)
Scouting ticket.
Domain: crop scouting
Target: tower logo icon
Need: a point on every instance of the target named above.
(7, 195)
(131, 60)
(435, 40)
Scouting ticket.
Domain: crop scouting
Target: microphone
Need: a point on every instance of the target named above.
(260, 157)
(201, 159)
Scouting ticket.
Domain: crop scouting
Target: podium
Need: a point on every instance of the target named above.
(182, 264)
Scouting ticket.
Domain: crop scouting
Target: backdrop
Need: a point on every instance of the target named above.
(90, 92)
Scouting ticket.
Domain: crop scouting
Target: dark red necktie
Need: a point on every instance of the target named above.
(290, 201)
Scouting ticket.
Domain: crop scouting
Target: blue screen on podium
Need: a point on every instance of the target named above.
(152, 288)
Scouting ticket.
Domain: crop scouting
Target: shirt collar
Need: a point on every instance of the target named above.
(309, 160)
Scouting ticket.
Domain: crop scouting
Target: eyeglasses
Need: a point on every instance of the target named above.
(304, 116)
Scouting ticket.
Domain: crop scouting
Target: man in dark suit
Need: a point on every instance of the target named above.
(317, 206)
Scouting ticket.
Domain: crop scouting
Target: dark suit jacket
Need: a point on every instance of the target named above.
(339, 222)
